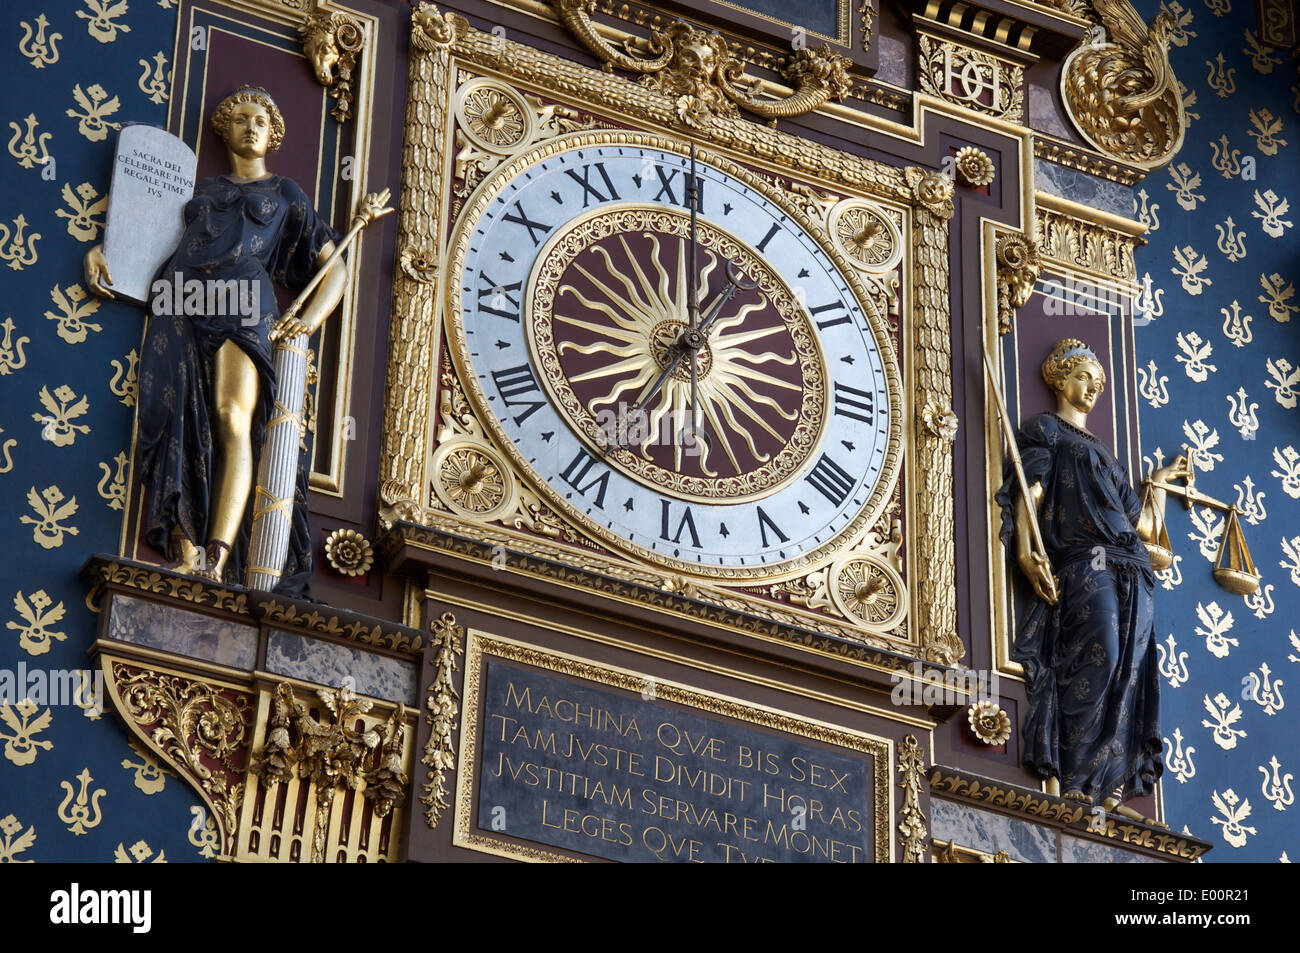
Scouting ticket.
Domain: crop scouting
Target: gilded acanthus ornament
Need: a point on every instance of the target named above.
(1122, 95)
(334, 755)
(332, 42)
(349, 553)
(696, 68)
(989, 722)
(974, 167)
(443, 704)
(1019, 266)
(912, 830)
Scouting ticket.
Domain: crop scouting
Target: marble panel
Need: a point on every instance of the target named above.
(984, 830)
(1082, 188)
(180, 631)
(1077, 850)
(892, 61)
(1045, 117)
(329, 663)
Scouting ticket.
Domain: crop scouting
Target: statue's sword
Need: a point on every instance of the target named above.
(277, 466)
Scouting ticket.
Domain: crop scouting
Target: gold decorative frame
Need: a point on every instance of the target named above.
(447, 51)
(1079, 243)
(481, 644)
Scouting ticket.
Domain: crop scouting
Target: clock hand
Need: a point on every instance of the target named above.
(690, 341)
(693, 193)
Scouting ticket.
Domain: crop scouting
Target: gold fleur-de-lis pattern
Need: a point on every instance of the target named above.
(1218, 373)
(80, 70)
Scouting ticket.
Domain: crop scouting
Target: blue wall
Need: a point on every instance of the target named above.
(1217, 336)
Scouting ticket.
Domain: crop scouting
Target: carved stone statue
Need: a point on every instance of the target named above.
(1088, 641)
(207, 379)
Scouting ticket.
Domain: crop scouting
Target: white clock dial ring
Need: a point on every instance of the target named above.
(841, 477)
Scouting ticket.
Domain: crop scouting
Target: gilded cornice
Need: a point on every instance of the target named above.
(1079, 238)
(106, 572)
(590, 574)
(1067, 815)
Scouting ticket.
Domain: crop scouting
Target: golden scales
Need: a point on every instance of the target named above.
(1234, 570)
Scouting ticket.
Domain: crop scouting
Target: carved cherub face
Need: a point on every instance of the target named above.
(1082, 386)
(249, 133)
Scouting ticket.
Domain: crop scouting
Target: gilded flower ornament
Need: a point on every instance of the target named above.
(989, 722)
(974, 168)
(940, 421)
(349, 553)
(418, 265)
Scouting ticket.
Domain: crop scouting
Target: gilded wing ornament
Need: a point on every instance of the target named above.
(1121, 94)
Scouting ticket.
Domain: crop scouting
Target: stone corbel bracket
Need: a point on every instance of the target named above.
(1119, 89)
(332, 42)
(696, 67)
(1019, 265)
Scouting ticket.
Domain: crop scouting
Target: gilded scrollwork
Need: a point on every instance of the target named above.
(1019, 266)
(699, 72)
(970, 78)
(203, 728)
(1121, 94)
(342, 752)
(495, 121)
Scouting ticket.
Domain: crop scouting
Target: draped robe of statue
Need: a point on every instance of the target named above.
(1090, 660)
(251, 232)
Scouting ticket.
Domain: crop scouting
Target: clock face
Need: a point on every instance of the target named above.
(745, 450)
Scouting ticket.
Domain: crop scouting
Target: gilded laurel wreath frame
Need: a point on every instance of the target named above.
(447, 52)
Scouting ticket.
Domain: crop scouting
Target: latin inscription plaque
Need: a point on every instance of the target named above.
(630, 778)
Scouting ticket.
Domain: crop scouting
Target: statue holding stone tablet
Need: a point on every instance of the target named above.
(208, 375)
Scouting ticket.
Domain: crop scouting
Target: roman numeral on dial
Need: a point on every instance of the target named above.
(854, 403)
(687, 522)
(765, 523)
(830, 480)
(501, 299)
(830, 322)
(520, 217)
(577, 471)
(512, 383)
(588, 189)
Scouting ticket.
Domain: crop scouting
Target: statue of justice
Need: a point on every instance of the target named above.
(208, 380)
(1082, 538)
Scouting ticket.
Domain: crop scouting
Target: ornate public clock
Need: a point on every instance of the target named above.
(746, 438)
